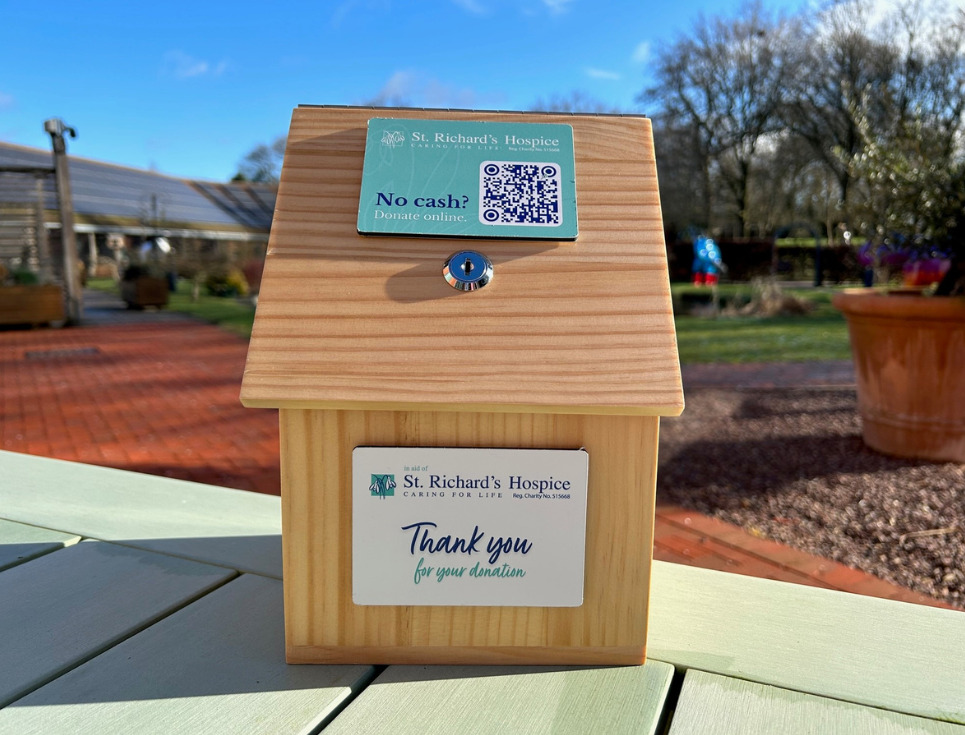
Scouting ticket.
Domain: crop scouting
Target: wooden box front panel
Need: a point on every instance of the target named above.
(324, 625)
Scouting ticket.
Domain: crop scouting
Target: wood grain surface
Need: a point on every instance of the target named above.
(882, 653)
(210, 524)
(20, 543)
(350, 321)
(441, 700)
(720, 705)
(324, 625)
(212, 667)
(65, 607)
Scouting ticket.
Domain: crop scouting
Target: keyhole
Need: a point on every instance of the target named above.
(467, 270)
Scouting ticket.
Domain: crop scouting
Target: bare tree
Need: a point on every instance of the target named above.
(910, 167)
(840, 72)
(263, 162)
(682, 167)
(576, 101)
(929, 84)
(725, 83)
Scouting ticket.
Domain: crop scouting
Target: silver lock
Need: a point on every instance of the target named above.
(468, 270)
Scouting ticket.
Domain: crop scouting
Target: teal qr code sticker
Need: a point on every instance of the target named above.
(469, 179)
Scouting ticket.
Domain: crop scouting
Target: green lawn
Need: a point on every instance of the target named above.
(231, 314)
(820, 335)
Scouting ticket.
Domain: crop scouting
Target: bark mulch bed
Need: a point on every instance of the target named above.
(790, 465)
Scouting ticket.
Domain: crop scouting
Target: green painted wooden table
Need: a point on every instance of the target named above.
(137, 604)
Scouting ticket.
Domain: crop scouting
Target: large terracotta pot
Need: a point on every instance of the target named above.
(909, 356)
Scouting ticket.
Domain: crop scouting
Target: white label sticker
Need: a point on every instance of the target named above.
(483, 527)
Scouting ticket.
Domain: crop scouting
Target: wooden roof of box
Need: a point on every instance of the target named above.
(368, 322)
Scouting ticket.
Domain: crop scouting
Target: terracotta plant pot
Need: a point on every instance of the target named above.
(909, 356)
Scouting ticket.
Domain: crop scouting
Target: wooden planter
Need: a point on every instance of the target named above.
(909, 356)
(145, 291)
(33, 304)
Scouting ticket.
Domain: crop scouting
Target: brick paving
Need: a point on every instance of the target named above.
(686, 537)
(154, 393)
(157, 393)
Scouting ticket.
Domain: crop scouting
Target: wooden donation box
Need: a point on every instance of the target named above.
(465, 323)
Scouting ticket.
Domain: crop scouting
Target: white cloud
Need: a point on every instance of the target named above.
(397, 89)
(602, 74)
(882, 18)
(406, 88)
(558, 6)
(641, 54)
(180, 65)
(871, 11)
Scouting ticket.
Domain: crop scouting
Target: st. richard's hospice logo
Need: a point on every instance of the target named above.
(392, 138)
(382, 486)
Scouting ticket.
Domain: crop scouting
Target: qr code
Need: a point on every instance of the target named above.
(520, 193)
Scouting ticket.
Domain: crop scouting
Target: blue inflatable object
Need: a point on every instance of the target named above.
(707, 261)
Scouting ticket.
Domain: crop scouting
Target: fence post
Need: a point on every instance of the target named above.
(75, 306)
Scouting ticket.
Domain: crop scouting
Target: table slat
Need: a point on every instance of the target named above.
(62, 608)
(453, 699)
(894, 655)
(216, 666)
(241, 530)
(710, 704)
(20, 543)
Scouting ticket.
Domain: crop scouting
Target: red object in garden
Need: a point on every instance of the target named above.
(925, 272)
(705, 279)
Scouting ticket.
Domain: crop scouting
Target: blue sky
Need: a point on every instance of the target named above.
(187, 88)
